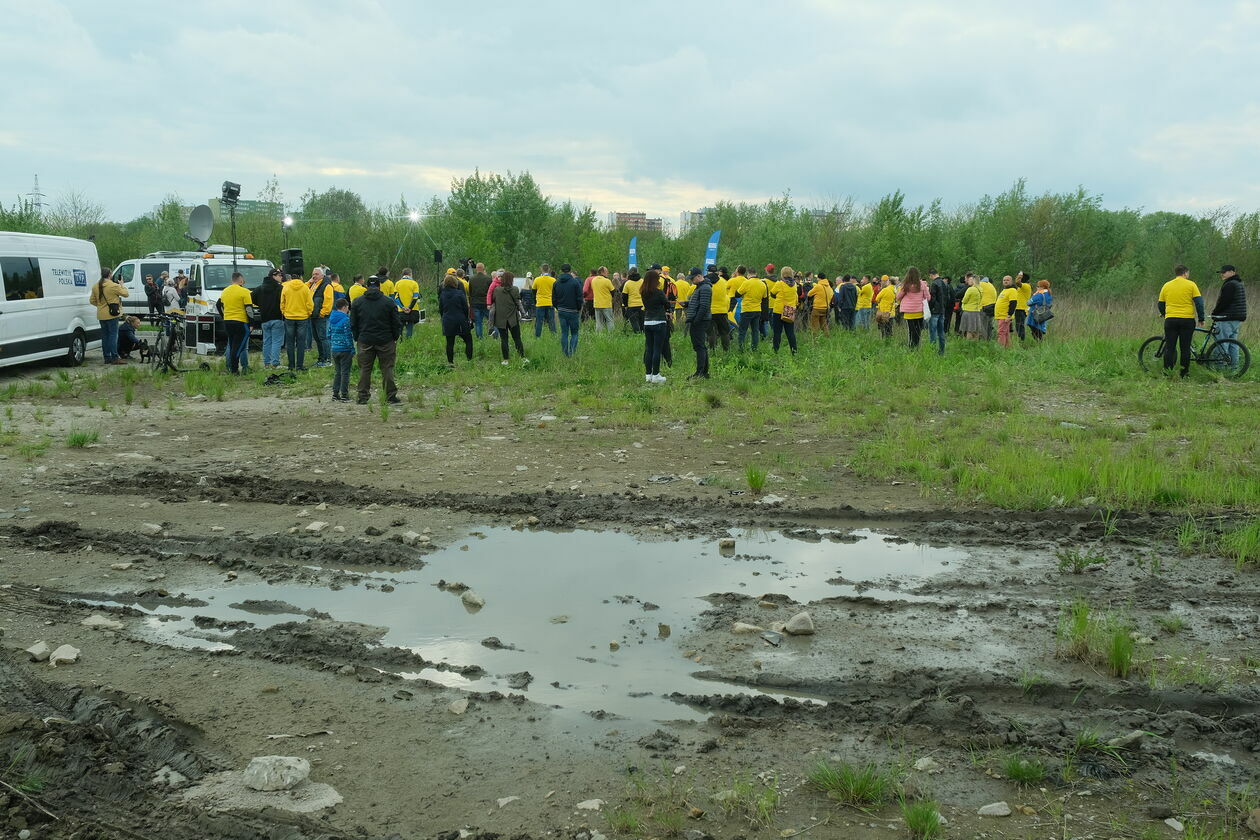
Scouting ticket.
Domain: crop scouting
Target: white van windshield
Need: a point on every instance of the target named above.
(218, 276)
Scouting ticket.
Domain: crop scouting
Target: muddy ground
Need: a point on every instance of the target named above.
(173, 528)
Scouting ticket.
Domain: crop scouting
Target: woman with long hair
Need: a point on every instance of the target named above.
(107, 297)
(507, 315)
(972, 323)
(786, 299)
(913, 299)
(457, 316)
(1038, 308)
(655, 325)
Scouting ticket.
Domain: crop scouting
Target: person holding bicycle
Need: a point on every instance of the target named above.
(1230, 309)
(1181, 304)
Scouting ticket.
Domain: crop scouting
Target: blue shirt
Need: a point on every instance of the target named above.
(339, 332)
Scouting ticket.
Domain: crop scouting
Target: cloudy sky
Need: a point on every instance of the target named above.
(656, 106)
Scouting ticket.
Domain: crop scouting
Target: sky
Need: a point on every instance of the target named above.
(652, 106)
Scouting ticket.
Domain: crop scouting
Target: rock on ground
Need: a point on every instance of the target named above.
(39, 651)
(227, 792)
(472, 600)
(65, 653)
(744, 627)
(96, 621)
(800, 624)
(276, 772)
(997, 809)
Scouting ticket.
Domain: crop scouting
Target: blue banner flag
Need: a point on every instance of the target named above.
(634, 252)
(710, 253)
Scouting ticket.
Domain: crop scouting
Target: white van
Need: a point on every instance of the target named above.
(209, 272)
(45, 282)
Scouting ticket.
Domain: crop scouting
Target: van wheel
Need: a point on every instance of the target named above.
(78, 349)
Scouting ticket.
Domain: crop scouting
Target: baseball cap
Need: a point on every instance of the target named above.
(1225, 268)
(656, 267)
(665, 269)
(695, 271)
(769, 267)
(373, 281)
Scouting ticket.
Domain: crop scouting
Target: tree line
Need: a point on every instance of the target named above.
(507, 221)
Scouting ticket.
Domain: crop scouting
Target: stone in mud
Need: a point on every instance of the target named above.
(65, 653)
(507, 800)
(373, 531)
(1253, 820)
(614, 646)
(96, 621)
(121, 567)
(927, 764)
(996, 809)
(276, 772)
(458, 707)
(800, 624)
(744, 627)
(726, 544)
(151, 529)
(1132, 739)
(317, 526)
(169, 777)
(1175, 824)
(472, 600)
(520, 680)
(414, 538)
(39, 651)
(590, 805)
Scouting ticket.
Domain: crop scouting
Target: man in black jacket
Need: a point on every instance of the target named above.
(941, 307)
(1231, 308)
(699, 312)
(566, 297)
(267, 298)
(846, 301)
(376, 326)
(479, 290)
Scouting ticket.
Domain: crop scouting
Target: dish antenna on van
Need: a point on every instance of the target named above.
(200, 224)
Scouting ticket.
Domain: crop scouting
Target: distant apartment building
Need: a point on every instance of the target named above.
(634, 221)
(689, 220)
(244, 206)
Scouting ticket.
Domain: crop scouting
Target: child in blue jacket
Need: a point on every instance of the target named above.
(342, 347)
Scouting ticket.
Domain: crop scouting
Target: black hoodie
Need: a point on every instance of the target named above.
(267, 299)
(374, 318)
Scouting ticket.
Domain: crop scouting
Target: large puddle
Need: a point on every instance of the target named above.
(563, 600)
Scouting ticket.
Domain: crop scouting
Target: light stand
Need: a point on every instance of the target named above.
(231, 194)
(285, 224)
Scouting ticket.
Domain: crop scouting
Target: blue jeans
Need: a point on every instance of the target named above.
(480, 315)
(750, 320)
(863, 318)
(237, 354)
(543, 313)
(1228, 329)
(296, 334)
(938, 325)
(109, 339)
(273, 340)
(569, 323)
(319, 326)
(654, 336)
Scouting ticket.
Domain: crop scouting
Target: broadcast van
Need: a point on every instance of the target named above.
(209, 272)
(45, 283)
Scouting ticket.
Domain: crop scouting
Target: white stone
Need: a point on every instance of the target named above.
(590, 805)
(169, 777)
(322, 506)
(1175, 824)
(799, 625)
(458, 707)
(1215, 758)
(997, 809)
(96, 621)
(65, 653)
(276, 772)
(472, 600)
(507, 800)
(120, 567)
(151, 529)
(39, 651)
(316, 526)
(927, 764)
(745, 627)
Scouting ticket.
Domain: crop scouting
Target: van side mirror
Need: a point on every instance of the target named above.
(194, 288)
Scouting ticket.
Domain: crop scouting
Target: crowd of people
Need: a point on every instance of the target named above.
(713, 307)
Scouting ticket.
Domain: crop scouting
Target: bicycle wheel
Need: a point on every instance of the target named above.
(1151, 354)
(1228, 358)
(157, 356)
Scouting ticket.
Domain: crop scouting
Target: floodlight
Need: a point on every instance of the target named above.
(414, 216)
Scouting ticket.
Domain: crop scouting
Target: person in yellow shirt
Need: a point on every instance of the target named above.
(1004, 310)
(407, 293)
(885, 304)
(387, 285)
(683, 290)
(234, 299)
(865, 299)
(356, 288)
(1023, 291)
(632, 295)
(543, 308)
(719, 320)
(820, 305)
(1181, 304)
(296, 305)
(786, 298)
(602, 297)
(971, 323)
(754, 292)
(988, 305)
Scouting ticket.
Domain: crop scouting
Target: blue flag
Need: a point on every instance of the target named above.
(633, 261)
(710, 253)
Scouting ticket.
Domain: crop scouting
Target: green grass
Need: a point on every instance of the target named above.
(78, 438)
(752, 800)
(1024, 771)
(1242, 545)
(1076, 562)
(756, 478)
(626, 820)
(1032, 683)
(923, 819)
(861, 786)
(1191, 537)
(1097, 638)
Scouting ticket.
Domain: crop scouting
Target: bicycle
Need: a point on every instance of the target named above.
(168, 348)
(1217, 354)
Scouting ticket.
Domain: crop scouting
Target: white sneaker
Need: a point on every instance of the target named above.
(504, 362)
(524, 361)
(647, 377)
(660, 380)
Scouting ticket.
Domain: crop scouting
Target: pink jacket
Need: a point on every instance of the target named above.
(494, 284)
(914, 301)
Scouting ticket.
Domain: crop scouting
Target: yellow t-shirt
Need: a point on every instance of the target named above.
(542, 288)
(467, 290)
(234, 298)
(602, 289)
(735, 286)
(988, 294)
(754, 291)
(1023, 292)
(1178, 297)
(684, 292)
(886, 299)
(632, 289)
(1003, 310)
(784, 295)
(406, 289)
(387, 287)
(355, 291)
(721, 298)
(971, 299)
(821, 294)
(865, 295)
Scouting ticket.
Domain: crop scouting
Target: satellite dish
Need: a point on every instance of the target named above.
(200, 224)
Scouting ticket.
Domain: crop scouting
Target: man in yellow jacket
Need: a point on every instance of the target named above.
(296, 305)
(321, 307)
(407, 290)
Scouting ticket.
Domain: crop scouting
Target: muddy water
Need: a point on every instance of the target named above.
(560, 602)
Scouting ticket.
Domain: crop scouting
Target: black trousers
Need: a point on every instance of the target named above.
(719, 331)
(915, 326)
(1178, 333)
(515, 331)
(846, 318)
(1021, 315)
(957, 320)
(780, 327)
(699, 342)
(466, 335)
